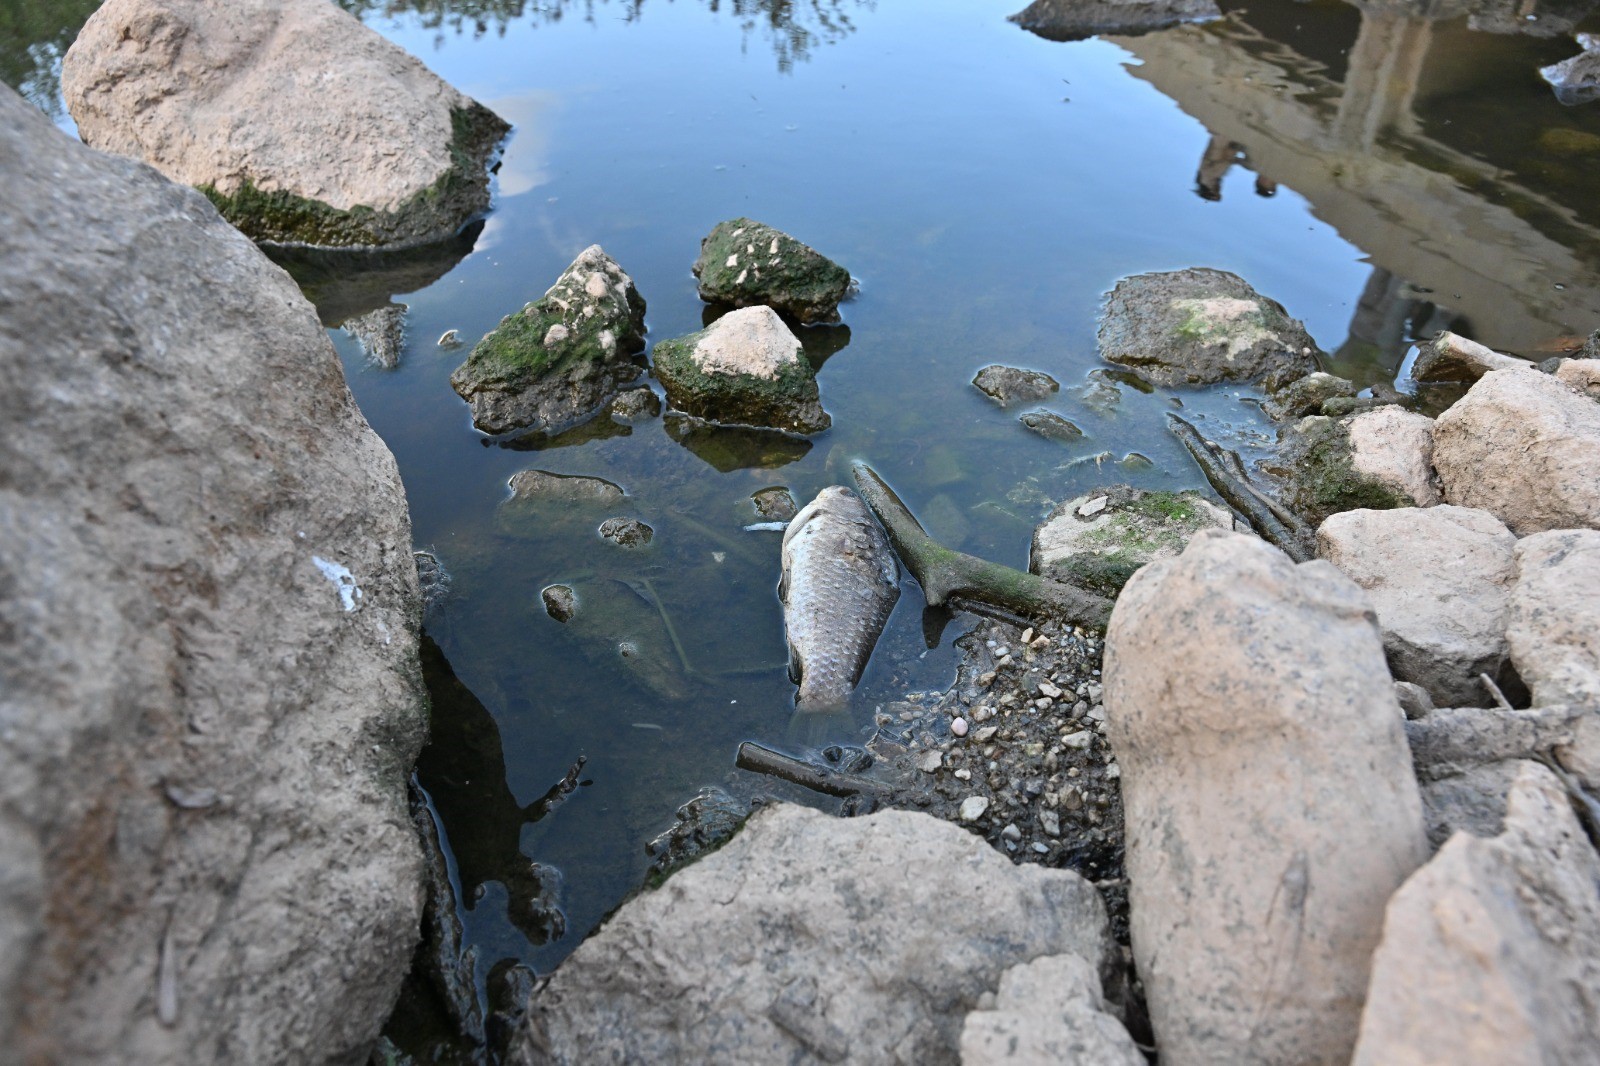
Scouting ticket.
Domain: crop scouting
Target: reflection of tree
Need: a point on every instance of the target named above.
(793, 28)
(34, 35)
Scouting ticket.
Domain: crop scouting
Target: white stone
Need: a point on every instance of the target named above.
(972, 808)
(751, 340)
(959, 727)
(1093, 507)
(930, 762)
(1554, 627)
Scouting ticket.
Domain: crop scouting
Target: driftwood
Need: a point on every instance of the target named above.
(1275, 524)
(952, 576)
(763, 760)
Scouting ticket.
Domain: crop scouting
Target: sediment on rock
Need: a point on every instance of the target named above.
(743, 262)
(746, 368)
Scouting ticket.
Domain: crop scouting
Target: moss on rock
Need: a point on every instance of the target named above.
(1314, 467)
(771, 386)
(1101, 550)
(743, 263)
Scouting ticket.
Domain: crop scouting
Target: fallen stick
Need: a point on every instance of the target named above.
(760, 759)
(947, 575)
(1241, 495)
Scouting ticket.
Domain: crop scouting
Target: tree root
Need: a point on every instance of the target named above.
(1225, 472)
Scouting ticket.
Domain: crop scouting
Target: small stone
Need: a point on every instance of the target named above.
(972, 808)
(986, 734)
(1041, 848)
(560, 602)
(1001, 652)
(964, 775)
(1011, 832)
(983, 713)
(1079, 740)
(1027, 635)
(626, 532)
(959, 727)
(1097, 713)
(1047, 689)
(1050, 822)
(986, 678)
(930, 762)
(1043, 703)
(1094, 506)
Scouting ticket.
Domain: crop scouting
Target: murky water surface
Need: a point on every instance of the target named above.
(1382, 173)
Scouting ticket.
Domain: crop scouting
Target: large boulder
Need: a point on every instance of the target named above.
(1376, 459)
(1073, 20)
(301, 124)
(743, 263)
(1491, 952)
(1524, 446)
(1582, 375)
(1554, 626)
(562, 357)
(1271, 806)
(808, 938)
(1440, 579)
(1049, 1010)
(746, 368)
(1100, 539)
(209, 692)
(1200, 326)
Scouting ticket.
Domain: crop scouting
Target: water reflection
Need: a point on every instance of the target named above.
(793, 29)
(347, 283)
(34, 35)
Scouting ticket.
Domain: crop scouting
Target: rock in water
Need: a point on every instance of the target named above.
(1448, 357)
(208, 640)
(1006, 385)
(1099, 540)
(1073, 20)
(1199, 327)
(743, 262)
(1271, 805)
(746, 368)
(301, 124)
(381, 334)
(560, 358)
(840, 581)
(1576, 80)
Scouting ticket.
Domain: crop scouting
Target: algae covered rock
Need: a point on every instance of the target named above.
(1201, 326)
(746, 368)
(560, 358)
(1308, 396)
(1099, 540)
(1006, 385)
(302, 125)
(743, 262)
(1377, 460)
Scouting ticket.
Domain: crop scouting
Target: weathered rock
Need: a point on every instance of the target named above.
(301, 124)
(864, 940)
(1099, 540)
(543, 486)
(1524, 446)
(746, 368)
(699, 827)
(208, 640)
(1448, 357)
(1453, 740)
(1201, 326)
(743, 263)
(1554, 626)
(560, 358)
(1582, 375)
(1006, 385)
(774, 504)
(560, 602)
(1049, 1010)
(1440, 579)
(1271, 806)
(1376, 460)
(626, 532)
(1052, 426)
(1576, 80)
(1414, 700)
(1305, 396)
(1491, 952)
(633, 405)
(380, 333)
(1073, 20)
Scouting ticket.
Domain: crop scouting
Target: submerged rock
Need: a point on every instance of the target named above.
(1376, 459)
(743, 262)
(728, 448)
(633, 405)
(1199, 327)
(560, 358)
(1491, 952)
(1554, 626)
(543, 486)
(380, 333)
(699, 827)
(1271, 805)
(776, 504)
(1525, 447)
(1049, 1010)
(1007, 385)
(302, 125)
(862, 940)
(626, 532)
(1073, 20)
(1576, 80)
(1099, 540)
(1440, 580)
(1052, 426)
(560, 602)
(746, 368)
(208, 640)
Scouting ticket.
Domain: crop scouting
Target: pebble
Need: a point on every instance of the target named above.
(1050, 822)
(1041, 849)
(930, 762)
(1047, 689)
(1097, 713)
(983, 714)
(986, 734)
(1011, 832)
(1079, 740)
(972, 808)
(1027, 635)
(986, 678)
(1094, 506)
(964, 775)
(959, 727)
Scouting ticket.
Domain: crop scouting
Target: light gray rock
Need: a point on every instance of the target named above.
(381, 334)
(562, 357)
(746, 368)
(1440, 579)
(1554, 626)
(1582, 375)
(1394, 448)
(543, 486)
(1491, 952)
(209, 693)
(1270, 801)
(1202, 326)
(1073, 20)
(1100, 539)
(1524, 446)
(301, 124)
(809, 938)
(1576, 80)
(1414, 700)
(1049, 1010)
(1376, 459)
(1449, 357)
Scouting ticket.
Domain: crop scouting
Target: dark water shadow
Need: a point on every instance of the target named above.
(729, 448)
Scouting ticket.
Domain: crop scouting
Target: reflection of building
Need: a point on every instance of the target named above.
(1360, 135)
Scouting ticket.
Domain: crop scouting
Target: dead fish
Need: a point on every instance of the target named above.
(840, 582)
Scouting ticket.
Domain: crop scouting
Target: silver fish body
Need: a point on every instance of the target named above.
(840, 582)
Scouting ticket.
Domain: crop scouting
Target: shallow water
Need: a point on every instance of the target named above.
(1381, 174)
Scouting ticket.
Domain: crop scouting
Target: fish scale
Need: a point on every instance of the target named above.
(840, 582)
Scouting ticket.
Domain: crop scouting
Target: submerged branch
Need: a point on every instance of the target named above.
(1276, 525)
(946, 575)
(760, 759)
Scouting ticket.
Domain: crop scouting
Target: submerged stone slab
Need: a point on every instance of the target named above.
(301, 124)
(562, 357)
(1073, 20)
(743, 262)
(746, 368)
